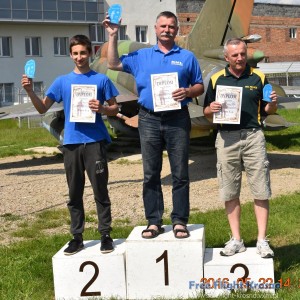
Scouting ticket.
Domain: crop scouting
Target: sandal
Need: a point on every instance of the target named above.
(154, 233)
(183, 230)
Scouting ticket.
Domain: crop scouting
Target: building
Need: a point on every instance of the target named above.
(279, 27)
(277, 24)
(41, 29)
(187, 13)
(139, 16)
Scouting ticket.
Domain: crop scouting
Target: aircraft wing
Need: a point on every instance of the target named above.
(125, 95)
(289, 102)
(276, 122)
(28, 110)
(24, 110)
(195, 110)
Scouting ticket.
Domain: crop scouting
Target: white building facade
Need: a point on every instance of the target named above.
(41, 29)
(139, 16)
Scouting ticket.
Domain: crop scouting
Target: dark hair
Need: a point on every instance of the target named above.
(233, 41)
(80, 39)
(167, 14)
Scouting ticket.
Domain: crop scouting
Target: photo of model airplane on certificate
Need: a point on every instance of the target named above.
(230, 97)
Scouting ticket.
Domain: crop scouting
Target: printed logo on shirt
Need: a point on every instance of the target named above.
(177, 63)
(250, 87)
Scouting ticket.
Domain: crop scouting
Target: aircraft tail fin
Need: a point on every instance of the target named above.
(218, 21)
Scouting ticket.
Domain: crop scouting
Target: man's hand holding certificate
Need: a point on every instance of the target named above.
(230, 97)
(162, 87)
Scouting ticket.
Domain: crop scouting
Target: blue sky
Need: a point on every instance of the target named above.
(287, 2)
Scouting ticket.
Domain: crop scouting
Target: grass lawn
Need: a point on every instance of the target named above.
(26, 266)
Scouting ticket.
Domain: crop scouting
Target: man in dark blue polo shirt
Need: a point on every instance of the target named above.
(242, 144)
(168, 128)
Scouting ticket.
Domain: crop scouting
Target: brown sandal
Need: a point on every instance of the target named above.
(183, 230)
(154, 233)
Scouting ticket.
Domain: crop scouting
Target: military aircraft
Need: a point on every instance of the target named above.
(212, 28)
(217, 21)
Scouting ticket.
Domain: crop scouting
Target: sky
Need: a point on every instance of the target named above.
(286, 2)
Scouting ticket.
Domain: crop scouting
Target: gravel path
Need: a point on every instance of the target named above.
(30, 184)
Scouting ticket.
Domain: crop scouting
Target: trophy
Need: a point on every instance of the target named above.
(267, 92)
(114, 13)
(30, 68)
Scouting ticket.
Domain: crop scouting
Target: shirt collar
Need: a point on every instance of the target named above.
(247, 71)
(175, 48)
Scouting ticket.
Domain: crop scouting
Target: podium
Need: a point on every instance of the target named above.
(89, 274)
(164, 266)
(239, 272)
(159, 268)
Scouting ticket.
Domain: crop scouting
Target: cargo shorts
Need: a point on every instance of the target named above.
(242, 150)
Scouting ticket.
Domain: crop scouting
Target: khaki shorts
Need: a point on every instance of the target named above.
(235, 150)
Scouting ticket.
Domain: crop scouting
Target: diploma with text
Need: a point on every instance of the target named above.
(81, 95)
(162, 87)
(230, 98)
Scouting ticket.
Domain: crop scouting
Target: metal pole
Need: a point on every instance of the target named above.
(287, 74)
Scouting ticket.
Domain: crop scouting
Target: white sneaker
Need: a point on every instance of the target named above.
(263, 249)
(233, 246)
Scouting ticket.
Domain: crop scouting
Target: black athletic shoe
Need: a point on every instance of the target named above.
(74, 246)
(107, 244)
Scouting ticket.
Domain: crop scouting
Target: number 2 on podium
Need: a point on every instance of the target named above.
(84, 291)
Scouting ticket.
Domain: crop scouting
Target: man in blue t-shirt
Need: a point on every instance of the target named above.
(83, 92)
(162, 127)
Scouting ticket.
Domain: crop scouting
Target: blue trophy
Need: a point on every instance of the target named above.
(114, 13)
(30, 68)
(267, 92)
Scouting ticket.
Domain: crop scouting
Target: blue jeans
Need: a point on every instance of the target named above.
(171, 131)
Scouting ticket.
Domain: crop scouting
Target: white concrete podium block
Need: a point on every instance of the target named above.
(164, 266)
(89, 274)
(226, 273)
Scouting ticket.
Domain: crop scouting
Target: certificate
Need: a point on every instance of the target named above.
(231, 99)
(162, 87)
(81, 94)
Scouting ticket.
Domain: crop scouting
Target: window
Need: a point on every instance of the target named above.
(293, 33)
(49, 5)
(5, 9)
(34, 4)
(6, 92)
(5, 46)
(38, 88)
(33, 46)
(122, 32)
(97, 33)
(4, 4)
(88, 11)
(141, 34)
(61, 46)
(19, 4)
